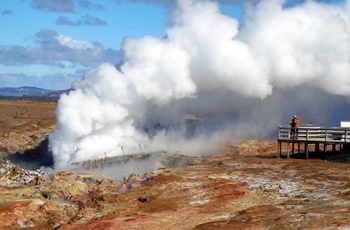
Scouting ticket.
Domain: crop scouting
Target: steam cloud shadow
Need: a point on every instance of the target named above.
(35, 158)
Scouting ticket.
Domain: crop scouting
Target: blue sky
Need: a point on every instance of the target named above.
(31, 56)
(51, 43)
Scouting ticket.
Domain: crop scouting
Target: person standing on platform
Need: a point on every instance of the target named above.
(294, 127)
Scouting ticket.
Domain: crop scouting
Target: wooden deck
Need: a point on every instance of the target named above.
(312, 137)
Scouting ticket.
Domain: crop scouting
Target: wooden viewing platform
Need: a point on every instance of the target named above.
(317, 136)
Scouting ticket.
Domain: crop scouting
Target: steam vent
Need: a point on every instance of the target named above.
(163, 114)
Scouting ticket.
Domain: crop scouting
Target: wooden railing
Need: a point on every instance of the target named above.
(327, 134)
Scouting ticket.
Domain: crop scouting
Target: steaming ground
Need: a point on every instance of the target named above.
(121, 167)
(238, 82)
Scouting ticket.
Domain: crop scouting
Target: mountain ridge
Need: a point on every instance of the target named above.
(30, 91)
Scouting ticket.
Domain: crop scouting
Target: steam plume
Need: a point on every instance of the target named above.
(240, 82)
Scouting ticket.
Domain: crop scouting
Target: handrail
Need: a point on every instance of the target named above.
(340, 134)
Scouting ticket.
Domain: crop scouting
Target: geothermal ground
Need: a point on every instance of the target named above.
(241, 186)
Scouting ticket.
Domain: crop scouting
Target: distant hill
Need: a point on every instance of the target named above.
(30, 93)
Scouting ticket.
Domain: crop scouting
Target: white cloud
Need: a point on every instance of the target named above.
(74, 44)
(56, 50)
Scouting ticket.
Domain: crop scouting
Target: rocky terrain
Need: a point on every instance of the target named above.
(241, 186)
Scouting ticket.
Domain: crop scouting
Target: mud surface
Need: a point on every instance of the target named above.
(242, 186)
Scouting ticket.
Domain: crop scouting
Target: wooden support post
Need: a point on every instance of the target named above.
(293, 148)
(333, 147)
(317, 148)
(287, 149)
(298, 147)
(279, 150)
(306, 150)
(325, 149)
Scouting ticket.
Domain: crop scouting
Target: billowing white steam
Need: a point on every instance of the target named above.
(208, 67)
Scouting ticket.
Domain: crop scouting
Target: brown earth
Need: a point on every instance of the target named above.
(242, 186)
(25, 124)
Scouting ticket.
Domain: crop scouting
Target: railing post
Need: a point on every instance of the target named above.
(345, 136)
(279, 132)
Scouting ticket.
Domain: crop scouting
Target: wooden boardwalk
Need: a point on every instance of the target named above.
(309, 136)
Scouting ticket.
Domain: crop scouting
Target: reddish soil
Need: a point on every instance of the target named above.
(242, 186)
